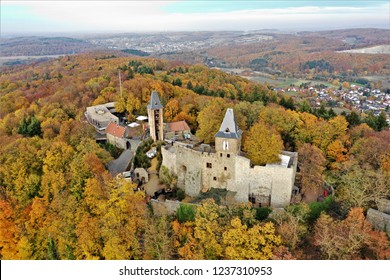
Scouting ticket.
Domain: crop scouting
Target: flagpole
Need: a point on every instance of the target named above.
(120, 81)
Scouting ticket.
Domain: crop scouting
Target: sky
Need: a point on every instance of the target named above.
(24, 17)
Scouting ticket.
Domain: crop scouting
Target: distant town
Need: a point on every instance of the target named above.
(356, 98)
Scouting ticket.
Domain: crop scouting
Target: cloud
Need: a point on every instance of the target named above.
(123, 16)
(307, 17)
(82, 15)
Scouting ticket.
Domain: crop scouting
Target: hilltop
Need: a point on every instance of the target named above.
(59, 201)
(271, 51)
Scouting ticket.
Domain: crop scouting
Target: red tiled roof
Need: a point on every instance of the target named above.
(177, 126)
(116, 130)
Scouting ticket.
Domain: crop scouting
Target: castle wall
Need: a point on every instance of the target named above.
(184, 163)
(188, 166)
(256, 181)
(172, 134)
(380, 220)
(275, 182)
(169, 160)
(199, 171)
(384, 206)
(282, 185)
(243, 181)
(166, 207)
(221, 172)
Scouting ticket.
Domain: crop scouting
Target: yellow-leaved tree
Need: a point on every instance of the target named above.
(210, 119)
(133, 106)
(217, 233)
(254, 243)
(263, 144)
(171, 109)
(208, 230)
(123, 222)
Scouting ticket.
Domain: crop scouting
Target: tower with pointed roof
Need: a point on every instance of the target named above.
(228, 138)
(155, 116)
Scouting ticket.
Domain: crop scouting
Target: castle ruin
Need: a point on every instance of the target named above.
(202, 167)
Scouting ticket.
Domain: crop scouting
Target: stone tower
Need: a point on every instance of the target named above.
(228, 138)
(155, 115)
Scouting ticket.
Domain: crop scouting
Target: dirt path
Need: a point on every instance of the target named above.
(153, 185)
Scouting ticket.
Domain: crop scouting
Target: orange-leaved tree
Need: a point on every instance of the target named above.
(352, 238)
(311, 163)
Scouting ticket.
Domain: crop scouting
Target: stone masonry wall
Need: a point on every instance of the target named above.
(197, 171)
(282, 186)
(166, 207)
(379, 219)
(384, 206)
(221, 173)
(116, 141)
(188, 165)
(264, 180)
(248, 181)
(169, 160)
(233, 145)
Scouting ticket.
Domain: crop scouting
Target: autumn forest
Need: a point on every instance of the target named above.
(58, 201)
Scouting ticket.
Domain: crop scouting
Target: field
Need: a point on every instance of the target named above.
(285, 82)
(338, 111)
(382, 49)
(384, 79)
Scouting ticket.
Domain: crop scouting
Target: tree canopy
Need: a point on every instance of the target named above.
(58, 201)
(263, 144)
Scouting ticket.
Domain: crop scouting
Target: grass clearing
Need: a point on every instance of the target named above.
(283, 82)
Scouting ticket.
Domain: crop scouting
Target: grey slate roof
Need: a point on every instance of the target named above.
(154, 102)
(229, 127)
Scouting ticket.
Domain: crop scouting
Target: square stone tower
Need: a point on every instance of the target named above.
(155, 115)
(228, 138)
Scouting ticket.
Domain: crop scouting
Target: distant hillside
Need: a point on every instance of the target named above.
(358, 36)
(289, 53)
(270, 51)
(382, 49)
(39, 46)
(87, 78)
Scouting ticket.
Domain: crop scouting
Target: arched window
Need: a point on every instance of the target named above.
(225, 145)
